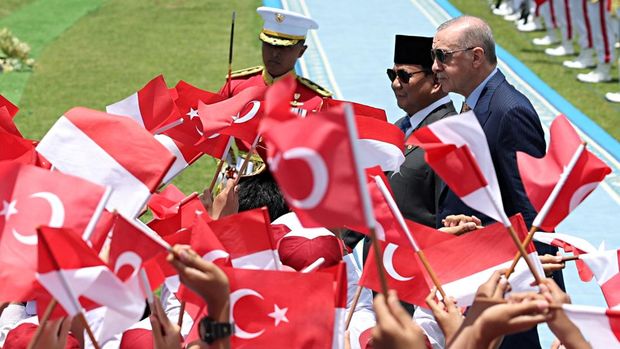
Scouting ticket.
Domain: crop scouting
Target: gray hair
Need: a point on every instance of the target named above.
(476, 34)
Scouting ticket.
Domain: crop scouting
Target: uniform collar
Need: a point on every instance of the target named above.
(269, 80)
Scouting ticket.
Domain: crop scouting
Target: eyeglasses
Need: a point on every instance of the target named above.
(442, 55)
(402, 75)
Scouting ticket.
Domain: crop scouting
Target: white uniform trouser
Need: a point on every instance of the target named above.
(544, 10)
(581, 23)
(603, 34)
(563, 14)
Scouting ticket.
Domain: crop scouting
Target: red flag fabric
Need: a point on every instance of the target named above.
(187, 211)
(358, 108)
(316, 171)
(247, 237)
(278, 103)
(568, 243)
(238, 116)
(606, 268)
(599, 326)
(10, 107)
(6, 122)
(540, 176)
(70, 270)
(166, 203)
(31, 197)
(266, 317)
(16, 148)
(151, 107)
(92, 145)
(380, 143)
(457, 150)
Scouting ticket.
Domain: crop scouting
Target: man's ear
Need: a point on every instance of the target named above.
(303, 49)
(479, 57)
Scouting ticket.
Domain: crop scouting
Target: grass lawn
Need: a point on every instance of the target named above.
(114, 47)
(589, 98)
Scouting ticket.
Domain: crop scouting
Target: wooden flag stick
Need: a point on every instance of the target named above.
(523, 253)
(230, 53)
(216, 175)
(89, 331)
(378, 259)
(569, 258)
(245, 162)
(401, 221)
(540, 217)
(42, 321)
(356, 298)
(181, 311)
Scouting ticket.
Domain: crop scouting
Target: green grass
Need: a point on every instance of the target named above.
(114, 49)
(589, 98)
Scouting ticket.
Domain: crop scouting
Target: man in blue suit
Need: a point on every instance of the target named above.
(465, 63)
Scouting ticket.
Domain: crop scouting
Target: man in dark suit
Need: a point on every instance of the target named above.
(417, 91)
(465, 63)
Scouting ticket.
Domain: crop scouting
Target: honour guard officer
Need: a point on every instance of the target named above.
(283, 37)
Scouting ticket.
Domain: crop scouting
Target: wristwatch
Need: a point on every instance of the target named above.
(210, 330)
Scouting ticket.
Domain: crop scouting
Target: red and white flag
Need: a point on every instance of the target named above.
(266, 317)
(238, 116)
(358, 109)
(32, 197)
(569, 243)
(151, 107)
(7, 123)
(599, 326)
(109, 151)
(606, 268)
(247, 237)
(557, 183)
(464, 251)
(380, 143)
(187, 210)
(166, 203)
(457, 149)
(70, 270)
(317, 171)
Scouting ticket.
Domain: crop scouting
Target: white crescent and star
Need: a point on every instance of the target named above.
(580, 194)
(320, 175)
(278, 314)
(128, 258)
(388, 263)
(57, 218)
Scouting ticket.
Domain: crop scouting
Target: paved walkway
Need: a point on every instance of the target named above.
(354, 46)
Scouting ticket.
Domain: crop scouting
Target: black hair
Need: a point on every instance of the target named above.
(262, 190)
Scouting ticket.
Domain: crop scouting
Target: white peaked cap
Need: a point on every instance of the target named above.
(284, 28)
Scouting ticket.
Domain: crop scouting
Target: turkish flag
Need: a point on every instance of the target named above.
(540, 176)
(152, 106)
(316, 171)
(569, 243)
(16, 148)
(247, 237)
(88, 282)
(90, 144)
(238, 116)
(32, 197)
(457, 150)
(266, 317)
(278, 103)
(166, 203)
(188, 209)
(11, 108)
(7, 123)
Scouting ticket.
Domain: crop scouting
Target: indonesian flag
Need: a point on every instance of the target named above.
(11, 108)
(599, 326)
(31, 197)
(574, 169)
(166, 203)
(190, 132)
(461, 270)
(69, 270)
(247, 237)
(316, 171)
(151, 107)
(457, 149)
(187, 210)
(569, 243)
(238, 116)
(380, 144)
(109, 151)
(606, 270)
(358, 108)
(266, 316)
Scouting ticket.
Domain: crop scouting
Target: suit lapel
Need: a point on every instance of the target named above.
(482, 106)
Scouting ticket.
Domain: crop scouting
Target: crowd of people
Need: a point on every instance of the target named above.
(592, 26)
(461, 59)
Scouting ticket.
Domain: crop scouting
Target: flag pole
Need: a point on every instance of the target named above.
(245, 162)
(366, 202)
(90, 227)
(217, 174)
(230, 54)
(540, 217)
(401, 221)
(46, 316)
(356, 298)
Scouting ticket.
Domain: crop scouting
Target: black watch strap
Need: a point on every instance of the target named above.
(210, 330)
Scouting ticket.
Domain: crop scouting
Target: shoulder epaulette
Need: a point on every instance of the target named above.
(314, 86)
(246, 72)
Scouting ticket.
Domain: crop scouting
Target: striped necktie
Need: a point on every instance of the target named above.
(405, 125)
